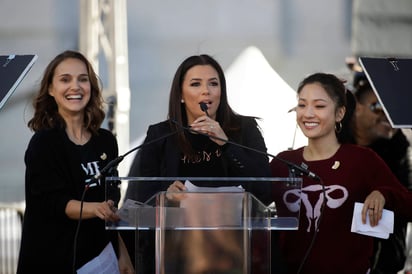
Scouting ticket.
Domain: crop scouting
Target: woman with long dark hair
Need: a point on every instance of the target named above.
(198, 100)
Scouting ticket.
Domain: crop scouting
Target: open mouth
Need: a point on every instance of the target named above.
(310, 124)
(74, 97)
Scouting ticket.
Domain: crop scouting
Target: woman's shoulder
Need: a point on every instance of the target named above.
(356, 149)
(45, 139)
(247, 119)
(105, 138)
(291, 153)
(358, 153)
(105, 133)
(162, 126)
(46, 136)
(246, 122)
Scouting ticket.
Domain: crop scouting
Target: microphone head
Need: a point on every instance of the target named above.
(203, 106)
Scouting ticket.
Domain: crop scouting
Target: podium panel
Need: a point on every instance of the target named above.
(219, 225)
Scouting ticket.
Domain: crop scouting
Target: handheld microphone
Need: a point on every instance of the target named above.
(115, 162)
(204, 108)
(293, 167)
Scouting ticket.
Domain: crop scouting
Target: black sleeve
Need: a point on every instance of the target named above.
(47, 181)
(148, 163)
(249, 159)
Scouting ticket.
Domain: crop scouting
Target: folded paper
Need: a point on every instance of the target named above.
(382, 230)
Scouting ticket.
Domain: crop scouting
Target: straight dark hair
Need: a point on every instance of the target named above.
(342, 97)
(227, 118)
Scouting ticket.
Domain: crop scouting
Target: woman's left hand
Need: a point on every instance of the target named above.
(373, 205)
(176, 191)
(211, 127)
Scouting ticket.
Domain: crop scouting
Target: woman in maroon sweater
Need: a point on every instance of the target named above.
(348, 174)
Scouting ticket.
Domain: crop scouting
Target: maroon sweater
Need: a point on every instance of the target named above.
(349, 176)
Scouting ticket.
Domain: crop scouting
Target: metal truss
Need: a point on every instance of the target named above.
(103, 39)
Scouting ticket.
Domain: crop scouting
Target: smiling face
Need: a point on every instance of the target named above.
(201, 84)
(70, 87)
(316, 112)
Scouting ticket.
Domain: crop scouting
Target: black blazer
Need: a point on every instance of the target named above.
(162, 158)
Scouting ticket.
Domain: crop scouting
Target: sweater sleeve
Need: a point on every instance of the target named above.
(151, 153)
(46, 187)
(149, 162)
(397, 197)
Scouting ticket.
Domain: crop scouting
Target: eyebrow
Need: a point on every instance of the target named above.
(316, 100)
(200, 79)
(68, 74)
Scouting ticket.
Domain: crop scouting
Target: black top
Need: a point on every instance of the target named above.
(164, 159)
(56, 172)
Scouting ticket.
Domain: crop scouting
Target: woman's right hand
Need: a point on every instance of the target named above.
(106, 211)
(174, 191)
(211, 127)
(373, 205)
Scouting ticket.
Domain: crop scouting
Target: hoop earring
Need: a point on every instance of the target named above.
(338, 127)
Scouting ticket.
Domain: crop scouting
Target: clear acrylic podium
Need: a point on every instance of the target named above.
(219, 225)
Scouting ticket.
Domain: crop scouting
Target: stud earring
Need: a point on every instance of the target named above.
(182, 101)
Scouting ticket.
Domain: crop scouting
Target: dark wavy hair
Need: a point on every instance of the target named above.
(361, 86)
(342, 97)
(46, 115)
(227, 118)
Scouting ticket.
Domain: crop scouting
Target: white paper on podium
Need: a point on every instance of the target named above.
(105, 263)
(130, 206)
(192, 188)
(382, 230)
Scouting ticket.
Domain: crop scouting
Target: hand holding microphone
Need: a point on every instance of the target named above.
(209, 126)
